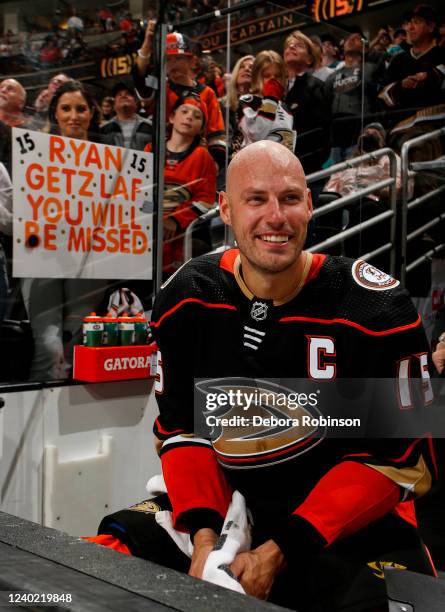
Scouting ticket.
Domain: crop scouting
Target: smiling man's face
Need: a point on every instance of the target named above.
(268, 205)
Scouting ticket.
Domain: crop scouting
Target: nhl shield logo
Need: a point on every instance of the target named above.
(258, 311)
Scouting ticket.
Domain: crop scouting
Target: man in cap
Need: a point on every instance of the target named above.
(126, 128)
(415, 78)
(180, 84)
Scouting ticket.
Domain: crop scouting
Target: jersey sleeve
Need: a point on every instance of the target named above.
(215, 129)
(384, 471)
(196, 485)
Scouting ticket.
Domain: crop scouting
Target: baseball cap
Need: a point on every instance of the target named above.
(376, 126)
(123, 87)
(424, 11)
(178, 44)
(193, 101)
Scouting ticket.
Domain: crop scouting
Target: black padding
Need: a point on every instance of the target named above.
(423, 593)
(42, 560)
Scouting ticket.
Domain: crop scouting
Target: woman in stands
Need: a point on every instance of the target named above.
(238, 85)
(190, 180)
(55, 306)
(262, 114)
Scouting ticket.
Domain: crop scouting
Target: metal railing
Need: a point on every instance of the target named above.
(336, 205)
(344, 201)
(408, 205)
(397, 213)
(213, 213)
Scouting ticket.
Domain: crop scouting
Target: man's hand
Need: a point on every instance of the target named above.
(256, 570)
(146, 47)
(203, 543)
(412, 81)
(439, 355)
(42, 100)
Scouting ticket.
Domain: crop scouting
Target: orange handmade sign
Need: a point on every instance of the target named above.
(81, 209)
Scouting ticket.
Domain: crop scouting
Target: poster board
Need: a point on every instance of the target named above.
(81, 209)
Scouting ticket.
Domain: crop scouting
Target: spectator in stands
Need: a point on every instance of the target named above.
(415, 79)
(209, 75)
(352, 180)
(398, 42)
(56, 306)
(75, 22)
(105, 15)
(5, 228)
(378, 46)
(56, 21)
(126, 128)
(319, 71)
(330, 51)
(126, 23)
(12, 103)
(43, 100)
(50, 52)
(307, 99)
(355, 179)
(180, 84)
(107, 109)
(240, 81)
(190, 180)
(239, 84)
(352, 93)
(75, 47)
(261, 114)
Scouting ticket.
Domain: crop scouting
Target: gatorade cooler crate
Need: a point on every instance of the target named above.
(108, 363)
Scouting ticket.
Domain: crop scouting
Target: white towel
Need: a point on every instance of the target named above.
(234, 538)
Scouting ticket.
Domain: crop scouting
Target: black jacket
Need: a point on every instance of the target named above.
(309, 105)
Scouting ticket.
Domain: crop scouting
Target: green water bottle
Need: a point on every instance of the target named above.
(111, 331)
(140, 329)
(93, 329)
(126, 331)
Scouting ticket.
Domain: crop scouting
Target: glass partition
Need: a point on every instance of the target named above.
(118, 121)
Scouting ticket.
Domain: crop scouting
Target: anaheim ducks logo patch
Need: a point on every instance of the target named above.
(147, 507)
(372, 278)
(378, 567)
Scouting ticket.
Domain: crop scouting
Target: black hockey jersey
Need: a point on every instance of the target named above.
(348, 321)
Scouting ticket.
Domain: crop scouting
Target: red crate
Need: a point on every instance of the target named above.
(107, 363)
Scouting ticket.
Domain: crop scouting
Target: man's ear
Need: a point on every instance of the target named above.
(224, 208)
(310, 207)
